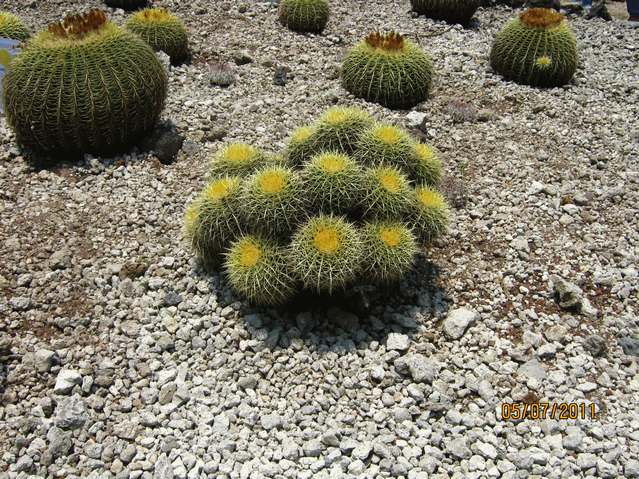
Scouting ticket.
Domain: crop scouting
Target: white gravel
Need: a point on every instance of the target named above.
(121, 359)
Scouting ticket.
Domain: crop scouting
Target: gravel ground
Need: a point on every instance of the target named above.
(121, 359)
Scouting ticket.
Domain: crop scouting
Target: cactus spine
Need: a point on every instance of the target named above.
(389, 250)
(304, 15)
(339, 129)
(84, 86)
(387, 193)
(430, 213)
(537, 48)
(424, 165)
(388, 69)
(236, 159)
(162, 31)
(385, 144)
(12, 27)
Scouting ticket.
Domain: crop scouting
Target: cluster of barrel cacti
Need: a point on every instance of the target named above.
(304, 15)
(537, 48)
(83, 85)
(388, 69)
(349, 200)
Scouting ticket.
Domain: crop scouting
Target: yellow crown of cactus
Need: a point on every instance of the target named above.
(162, 30)
(390, 249)
(12, 27)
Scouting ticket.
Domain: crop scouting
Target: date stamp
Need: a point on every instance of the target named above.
(543, 410)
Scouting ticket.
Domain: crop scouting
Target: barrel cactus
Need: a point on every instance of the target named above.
(304, 15)
(388, 69)
(451, 11)
(12, 27)
(350, 200)
(258, 268)
(537, 48)
(162, 30)
(84, 86)
(126, 4)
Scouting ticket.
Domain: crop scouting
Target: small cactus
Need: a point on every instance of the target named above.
(451, 11)
(221, 74)
(390, 249)
(211, 221)
(236, 159)
(332, 182)
(537, 48)
(12, 27)
(258, 269)
(424, 165)
(430, 213)
(273, 201)
(325, 253)
(162, 30)
(385, 144)
(304, 15)
(126, 4)
(388, 69)
(300, 145)
(339, 128)
(84, 86)
(386, 193)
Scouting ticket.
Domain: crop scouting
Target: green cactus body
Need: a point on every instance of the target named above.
(424, 165)
(162, 31)
(430, 213)
(259, 270)
(537, 48)
(388, 69)
(12, 27)
(304, 15)
(385, 144)
(273, 201)
(332, 183)
(338, 130)
(211, 221)
(126, 4)
(236, 159)
(390, 249)
(325, 253)
(300, 146)
(451, 11)
(84, 86)
(387, 193)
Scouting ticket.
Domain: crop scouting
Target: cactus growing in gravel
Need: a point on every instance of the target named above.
(325, 253)
(430, 214)
(390, 249)
(385, 144)
(211, 220)
(162, 31)
(273, 201)
(236, 159)
(349, 201)
(388, 69)
(126, 4)
(304, 15)
(386, 193)
(84, 86)
(12, 27)
(339, 129)
(537, 48)
(259, 270)
(452, 11)
(332, 182)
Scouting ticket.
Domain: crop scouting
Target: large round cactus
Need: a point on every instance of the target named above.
(452, 11)
(162, 31)
(537, 48)
(126, 4)
(388, 69)
(12, 27)
(84, 86)
(304, 15)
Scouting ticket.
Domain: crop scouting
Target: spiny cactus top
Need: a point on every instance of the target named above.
(162, 30)
(451, 11)
(347, 202)
(304, 15)
(84, 86)
(537, 48)
(12, 27)
(389, 69)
